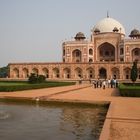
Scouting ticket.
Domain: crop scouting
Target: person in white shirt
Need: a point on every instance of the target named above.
(108, 83)
(104, 84)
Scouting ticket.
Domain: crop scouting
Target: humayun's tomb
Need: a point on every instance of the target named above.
(106, 54)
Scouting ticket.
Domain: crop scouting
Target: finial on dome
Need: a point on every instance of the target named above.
(107, 14)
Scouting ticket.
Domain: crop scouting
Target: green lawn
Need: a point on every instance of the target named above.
(7, 86)
(12, 83)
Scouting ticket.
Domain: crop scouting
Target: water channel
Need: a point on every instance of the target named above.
(50, 122)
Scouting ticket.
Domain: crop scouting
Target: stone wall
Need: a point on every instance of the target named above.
(73, 70)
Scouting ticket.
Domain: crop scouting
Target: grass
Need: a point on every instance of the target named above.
(8, 86)
(129, 90)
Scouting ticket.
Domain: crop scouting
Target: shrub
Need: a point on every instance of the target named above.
(41, 78)
(33, 78)
(129, 90)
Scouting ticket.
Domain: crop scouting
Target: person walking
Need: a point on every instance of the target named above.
(108, 83)
(112, 83)
(115, 82)
(104, 84)
(94, 84)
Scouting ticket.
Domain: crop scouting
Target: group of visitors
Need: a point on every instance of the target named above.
(110, 83)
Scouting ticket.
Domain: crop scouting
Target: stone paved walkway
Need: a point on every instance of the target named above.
(123, 117)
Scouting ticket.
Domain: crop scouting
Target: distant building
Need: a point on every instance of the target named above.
(107, 54)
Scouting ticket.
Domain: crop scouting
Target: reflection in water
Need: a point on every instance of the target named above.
(4, 115)
(27, 122)
(83, 123)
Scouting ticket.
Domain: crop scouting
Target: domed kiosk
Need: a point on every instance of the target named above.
(108, 24)
(135, 33)
(79, 36)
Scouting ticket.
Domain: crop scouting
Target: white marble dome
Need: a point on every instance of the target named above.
(108, 24)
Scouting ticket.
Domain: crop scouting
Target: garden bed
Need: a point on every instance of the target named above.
(130, 89)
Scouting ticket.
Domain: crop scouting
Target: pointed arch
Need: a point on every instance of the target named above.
(78, 72)
(56, 73)
(115, 73)
(67, 73)
(35, 71)
(25, 73)
(136, 54)
(45, 72)
(102, 73)
(90, 73)
(106, 52)
(90, 51)
(16, 73)
(127, 72)
(76, 55)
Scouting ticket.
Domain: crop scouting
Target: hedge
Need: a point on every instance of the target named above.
(18, 86)
(129, 90)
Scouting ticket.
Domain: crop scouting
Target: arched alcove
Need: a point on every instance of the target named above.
(102, 73)
(45, 72)
(35, 71)
(25, 73)
(56, 73)
(127, 72)
(106, 52)
(90, 73)
(115, 73)
(76, 56)
(16, 73)
(78, 73)
(67, 73)
(136, 54)
(90, 52)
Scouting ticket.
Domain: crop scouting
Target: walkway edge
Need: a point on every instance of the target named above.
(62, 92)
(105, 133)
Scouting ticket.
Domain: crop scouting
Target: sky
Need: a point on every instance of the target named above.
(33, 30)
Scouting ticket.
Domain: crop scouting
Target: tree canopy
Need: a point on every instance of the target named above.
(4, 72)
(134, 72)
(33, 78)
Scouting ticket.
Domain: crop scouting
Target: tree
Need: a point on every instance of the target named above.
(41, 78)
(134, 72)
(33, 78)
(4, 72)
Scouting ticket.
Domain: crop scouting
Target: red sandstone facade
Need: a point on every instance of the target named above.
(107, 54)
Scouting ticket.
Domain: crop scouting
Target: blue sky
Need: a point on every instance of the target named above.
(33, 30)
